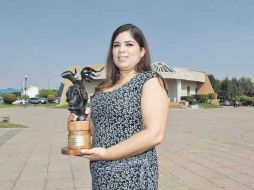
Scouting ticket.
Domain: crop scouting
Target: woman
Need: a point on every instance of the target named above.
(129, 116)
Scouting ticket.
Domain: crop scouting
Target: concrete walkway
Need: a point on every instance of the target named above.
(203, 150)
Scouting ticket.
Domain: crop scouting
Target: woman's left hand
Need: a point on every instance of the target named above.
(96, 153)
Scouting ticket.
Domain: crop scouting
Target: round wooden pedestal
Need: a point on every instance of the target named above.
(79, 138)
(75, 152)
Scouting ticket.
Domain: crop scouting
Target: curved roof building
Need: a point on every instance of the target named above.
(180, 81)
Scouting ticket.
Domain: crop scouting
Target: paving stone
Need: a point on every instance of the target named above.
(6, 185)
(29, 175)
(8, 176)
(203, 150)
(83, 182)
(29, 185)
(59, 183)
(59, 175)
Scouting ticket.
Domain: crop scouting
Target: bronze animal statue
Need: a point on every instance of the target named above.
(76, 95)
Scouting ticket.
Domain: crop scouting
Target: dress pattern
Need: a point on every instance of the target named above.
(117, 116)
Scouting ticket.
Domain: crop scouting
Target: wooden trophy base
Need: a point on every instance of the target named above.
(79, 138)
(74, 152)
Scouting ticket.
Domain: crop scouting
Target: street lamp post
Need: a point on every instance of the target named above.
(48, 82)
(25, 89)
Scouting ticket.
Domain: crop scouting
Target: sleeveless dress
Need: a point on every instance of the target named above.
(117, 116)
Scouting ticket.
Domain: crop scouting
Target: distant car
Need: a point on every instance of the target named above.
(22, 101)
(225, 103)
(248, 103)
(34, 100)
(57, 100)
(43, 100)
(1, 100)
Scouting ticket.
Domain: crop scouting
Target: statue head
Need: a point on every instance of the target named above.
(76, 95)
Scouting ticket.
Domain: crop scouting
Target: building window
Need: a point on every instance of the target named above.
(188, 91)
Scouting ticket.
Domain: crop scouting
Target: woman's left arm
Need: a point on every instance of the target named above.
(154, 109)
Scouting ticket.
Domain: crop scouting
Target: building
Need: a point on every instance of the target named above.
(180, 81)
(183, 82)
(31, 91)
(16, 91)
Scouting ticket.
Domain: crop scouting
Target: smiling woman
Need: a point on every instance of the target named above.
(126, 51)
(129, 114)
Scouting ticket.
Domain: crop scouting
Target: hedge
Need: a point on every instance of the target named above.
(212, 96)
(9, 98)
(51, 98)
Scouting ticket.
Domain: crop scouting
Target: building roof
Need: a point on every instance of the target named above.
(10, 91)
(162, 68)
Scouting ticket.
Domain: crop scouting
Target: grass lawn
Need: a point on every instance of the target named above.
(9, 105)
(207, 106)
(10, 125)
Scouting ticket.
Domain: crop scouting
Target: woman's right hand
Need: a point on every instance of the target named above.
(72, 117)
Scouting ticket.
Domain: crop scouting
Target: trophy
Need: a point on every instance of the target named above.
(79, 131)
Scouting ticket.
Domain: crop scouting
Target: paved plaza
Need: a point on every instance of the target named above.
(203, 150)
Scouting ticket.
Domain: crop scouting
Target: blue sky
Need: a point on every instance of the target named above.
(41, 39)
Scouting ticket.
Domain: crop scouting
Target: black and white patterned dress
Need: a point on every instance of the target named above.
(117, 116)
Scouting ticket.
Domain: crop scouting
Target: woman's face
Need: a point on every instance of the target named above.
(126, 51)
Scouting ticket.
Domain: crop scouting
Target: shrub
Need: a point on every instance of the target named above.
(9, 98)
(204, 98)
(51, 98)
(237, 98)
(189, 99)
(183, 98)
(201, 98)
(197, 97)
(213, 96)
(186, 98)
(43, 93)
(243, 98)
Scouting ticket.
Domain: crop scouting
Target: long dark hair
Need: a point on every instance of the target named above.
(112, 72)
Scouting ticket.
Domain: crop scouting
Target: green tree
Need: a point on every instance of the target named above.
(226, 88)
(252, 90)
(43, 93)
(230, 89)
(245, 85)
(235, 87)
(24, 97)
